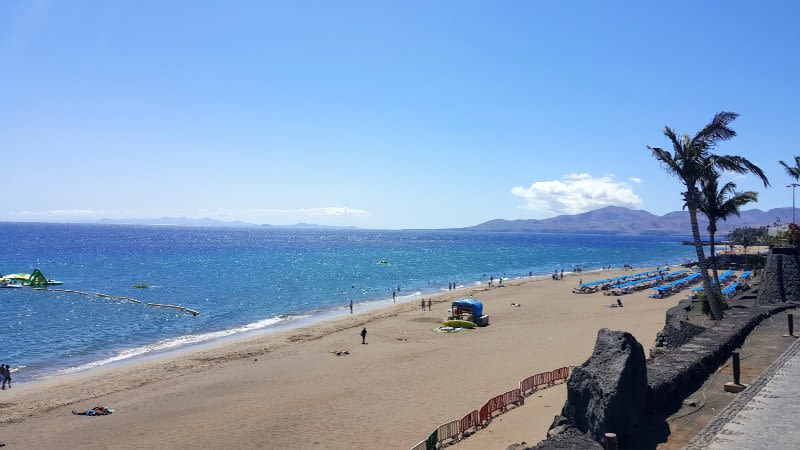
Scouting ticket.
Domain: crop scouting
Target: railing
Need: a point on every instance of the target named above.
(455, 430)
(471, 420)
(421, 446)
(450, 430)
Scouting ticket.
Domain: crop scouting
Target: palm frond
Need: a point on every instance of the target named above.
(716, 130)
(738, 164)
(793, 172)
(666, 159)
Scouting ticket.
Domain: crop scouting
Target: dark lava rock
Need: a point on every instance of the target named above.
(780, 280)
(608, 393)
(677, 328)
(569, 438)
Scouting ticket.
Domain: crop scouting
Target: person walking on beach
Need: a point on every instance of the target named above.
(394, 294)
(422, 303)
(364, 335)
(351, 307)
(429, 304)
(6, 375)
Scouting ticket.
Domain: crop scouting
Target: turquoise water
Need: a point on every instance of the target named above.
(245, 279)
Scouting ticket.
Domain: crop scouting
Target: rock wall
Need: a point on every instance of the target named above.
(678, 372)
(780, 280)
(677, 328)
(594, 404)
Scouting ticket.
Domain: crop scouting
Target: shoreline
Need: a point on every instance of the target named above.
(175, 346)
(286, 390)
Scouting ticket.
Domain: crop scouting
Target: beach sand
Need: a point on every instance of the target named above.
(286, 390)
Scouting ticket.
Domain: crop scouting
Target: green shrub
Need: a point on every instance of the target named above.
(706, 308)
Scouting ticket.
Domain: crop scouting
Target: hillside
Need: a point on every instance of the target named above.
(619, 220)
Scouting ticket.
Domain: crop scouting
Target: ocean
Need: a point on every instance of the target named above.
(246, 280)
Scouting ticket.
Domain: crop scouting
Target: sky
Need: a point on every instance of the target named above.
(376, 114)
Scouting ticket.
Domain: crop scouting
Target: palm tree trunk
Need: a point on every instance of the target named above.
(714, 259)
(716, 310)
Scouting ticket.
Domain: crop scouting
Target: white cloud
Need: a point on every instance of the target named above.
(576, 193)
(635, 179)
(334, 211)
(58, 213)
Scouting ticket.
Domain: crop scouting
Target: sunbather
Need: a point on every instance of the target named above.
(96, 411)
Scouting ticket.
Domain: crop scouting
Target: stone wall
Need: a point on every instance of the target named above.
(670, 378)
(674, 375)
(678, 330)
(780, 280)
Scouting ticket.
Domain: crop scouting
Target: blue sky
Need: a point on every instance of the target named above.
(380, 114)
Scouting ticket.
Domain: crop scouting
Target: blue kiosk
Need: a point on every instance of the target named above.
(470, 309)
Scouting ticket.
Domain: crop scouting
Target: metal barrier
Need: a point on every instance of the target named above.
(471, 420)
(450, 430)
(484, 414)
(528, 384)
(534, 383)
(496, 404)
(480, 418)
(421, 446)
(547, 378)
(561, 374)
(515, 397)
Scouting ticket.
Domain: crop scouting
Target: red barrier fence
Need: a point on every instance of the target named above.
(484, 414)
(453, 430)
(515, 397)
(560, 374)
(496, 404)
(471, 420)
(527, 385)
(548, 378)
(534, 383)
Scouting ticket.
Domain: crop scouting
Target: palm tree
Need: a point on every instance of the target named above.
(720, 203)
(793, 172)
(691, 160)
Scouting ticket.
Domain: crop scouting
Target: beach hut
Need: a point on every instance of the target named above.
(470, 309)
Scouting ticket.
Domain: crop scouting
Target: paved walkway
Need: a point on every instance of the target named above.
(764, 416)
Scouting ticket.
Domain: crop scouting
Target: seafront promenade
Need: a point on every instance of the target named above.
(765, 415)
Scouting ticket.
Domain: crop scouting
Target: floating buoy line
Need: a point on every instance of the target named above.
(119, 297)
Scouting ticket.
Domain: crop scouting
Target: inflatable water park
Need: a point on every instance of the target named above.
(38, 282)
(18, 280)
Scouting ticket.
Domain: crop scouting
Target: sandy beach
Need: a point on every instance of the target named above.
(287, 390)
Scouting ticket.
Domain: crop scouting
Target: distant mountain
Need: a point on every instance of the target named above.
(619, 220)
(178, 221)
(209, 222)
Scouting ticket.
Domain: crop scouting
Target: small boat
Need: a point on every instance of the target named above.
(383, 261)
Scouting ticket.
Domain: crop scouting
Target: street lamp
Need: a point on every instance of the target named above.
(793, 185)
